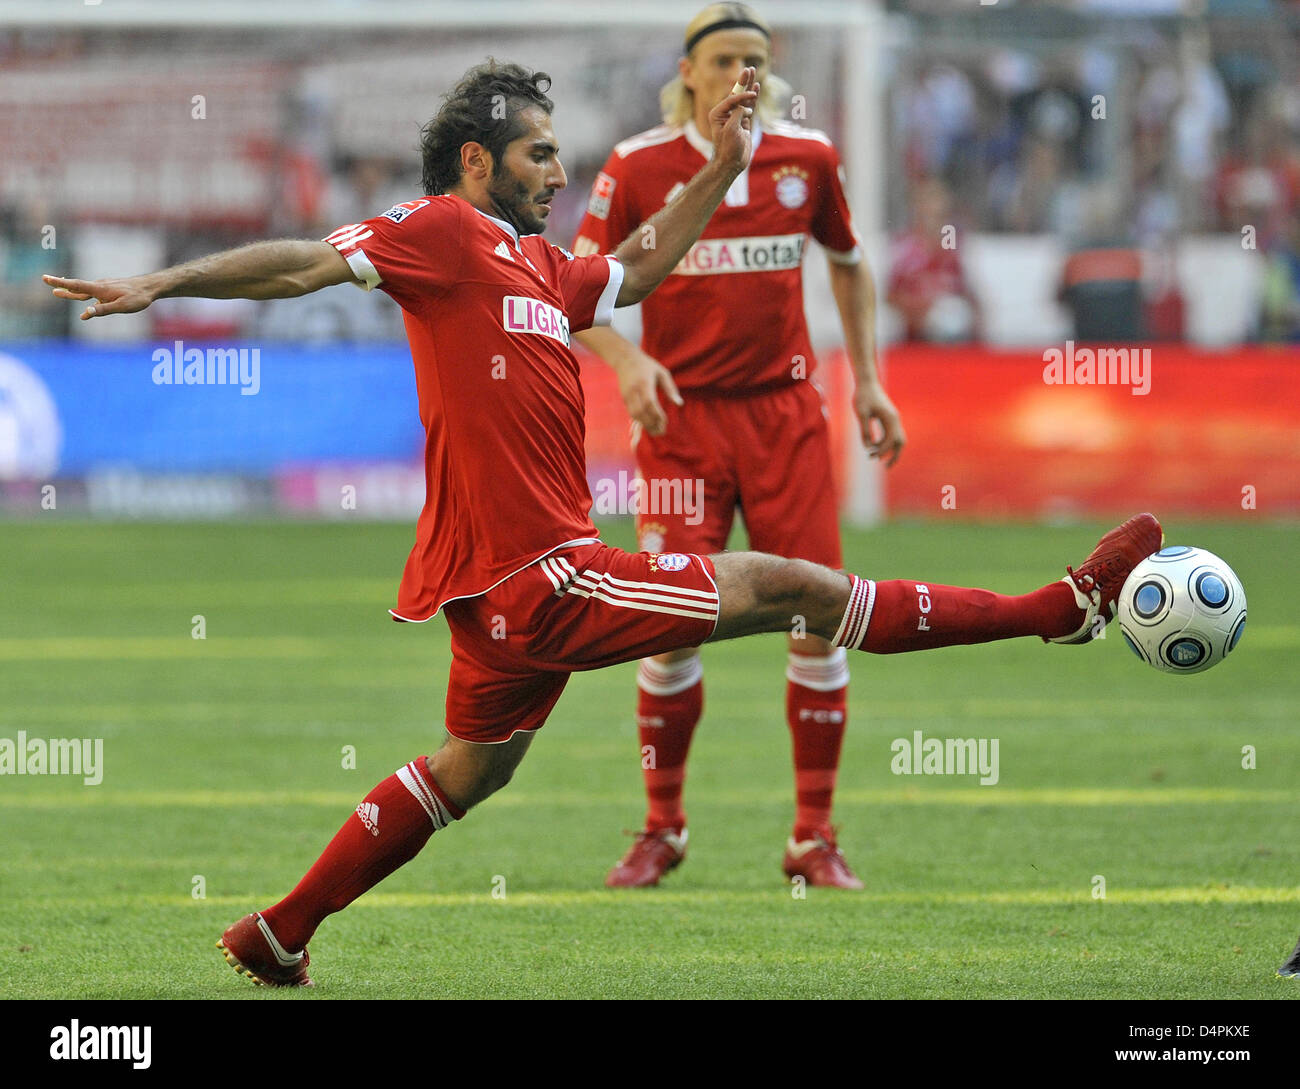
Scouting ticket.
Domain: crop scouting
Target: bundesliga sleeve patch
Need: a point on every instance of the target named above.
(601, 194)
(399, 212)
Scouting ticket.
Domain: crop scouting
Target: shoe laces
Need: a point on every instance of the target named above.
(829, 838)
(644, 837)
(1111, 563)
(1080, 580)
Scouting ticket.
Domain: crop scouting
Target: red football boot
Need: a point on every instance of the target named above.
(251, 950)
(1099, 579)
(820, 862)
(648, 859)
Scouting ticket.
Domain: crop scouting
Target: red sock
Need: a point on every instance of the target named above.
(816, 707)
(901, 615)
(670, 700)
(387, 830)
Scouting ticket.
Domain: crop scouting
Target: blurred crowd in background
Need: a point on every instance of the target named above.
(1117, 137)
(1119, 145)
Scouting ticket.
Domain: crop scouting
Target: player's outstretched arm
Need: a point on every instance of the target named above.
(282, 269)
(654, 249)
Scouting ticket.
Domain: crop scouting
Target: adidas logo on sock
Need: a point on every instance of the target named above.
(369, 814)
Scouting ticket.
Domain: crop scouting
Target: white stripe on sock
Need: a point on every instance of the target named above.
(668, 680)
(410, 778)
(818, 672)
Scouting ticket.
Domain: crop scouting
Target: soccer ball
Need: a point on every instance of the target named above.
(1182, 610)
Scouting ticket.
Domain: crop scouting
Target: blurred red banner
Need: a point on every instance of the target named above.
(1061, 432)
(1215, 434)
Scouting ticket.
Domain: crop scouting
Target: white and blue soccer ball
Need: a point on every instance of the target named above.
(1182, 610)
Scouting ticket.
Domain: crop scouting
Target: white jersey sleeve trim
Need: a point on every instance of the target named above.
(363, 270)
(848, 257)
(608, 297)
(782, 127)
(660, 134)
(718, 618)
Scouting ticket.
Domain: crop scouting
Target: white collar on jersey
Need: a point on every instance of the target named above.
(704, 146)
(503, 225)
(514, 235)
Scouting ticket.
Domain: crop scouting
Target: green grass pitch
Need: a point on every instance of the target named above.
(224, 774)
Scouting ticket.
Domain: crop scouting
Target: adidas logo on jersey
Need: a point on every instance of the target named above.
(503, 250)
(369, 814)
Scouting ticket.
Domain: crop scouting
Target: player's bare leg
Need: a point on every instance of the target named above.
(670, 700)
(762, 593)
(471, 773)
(389, 828)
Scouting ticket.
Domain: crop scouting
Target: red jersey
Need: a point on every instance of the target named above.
(715, 333)
(488, 316)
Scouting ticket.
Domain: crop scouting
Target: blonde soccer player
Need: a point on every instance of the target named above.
(748, 423)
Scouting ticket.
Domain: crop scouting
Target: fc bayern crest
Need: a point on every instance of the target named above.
(671, 561)
(651, 537)
(791, 187)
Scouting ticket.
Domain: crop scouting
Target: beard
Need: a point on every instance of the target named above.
(514, 203)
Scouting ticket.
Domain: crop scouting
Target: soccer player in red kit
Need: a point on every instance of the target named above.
(504, 547)
(749, 427)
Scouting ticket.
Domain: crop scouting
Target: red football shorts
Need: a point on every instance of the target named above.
(767, 455)
(514, 647)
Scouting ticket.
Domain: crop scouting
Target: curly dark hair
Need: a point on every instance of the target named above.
(483, 107)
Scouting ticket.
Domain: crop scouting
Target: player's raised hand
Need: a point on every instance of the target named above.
(731, 122)
(127, 296)
(875, 410)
